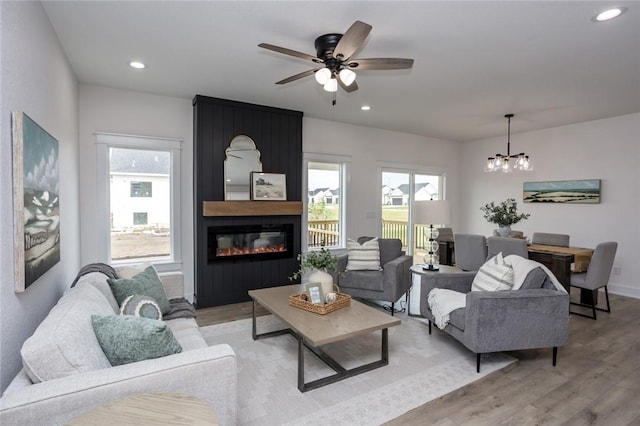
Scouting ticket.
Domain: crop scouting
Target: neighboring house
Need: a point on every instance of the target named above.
(329, 196)
(399, 196)
(140, 190)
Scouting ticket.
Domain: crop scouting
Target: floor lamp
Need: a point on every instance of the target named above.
(432, 212)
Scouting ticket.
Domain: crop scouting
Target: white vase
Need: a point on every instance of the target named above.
(324, 278)
(504, 231)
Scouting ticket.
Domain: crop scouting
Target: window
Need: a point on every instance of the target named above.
(141, 189)
(399, 190)
(140, 218)
(325, 177)
(139, 214)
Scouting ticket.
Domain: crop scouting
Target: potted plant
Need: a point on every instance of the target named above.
(319, 263)
(504, 215)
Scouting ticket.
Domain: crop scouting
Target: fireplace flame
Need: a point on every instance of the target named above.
(241, 251)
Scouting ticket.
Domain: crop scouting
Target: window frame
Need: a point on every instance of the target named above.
(343, 163)
(104, 141)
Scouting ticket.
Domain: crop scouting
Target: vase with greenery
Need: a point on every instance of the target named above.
(503, 214)
(319, 263)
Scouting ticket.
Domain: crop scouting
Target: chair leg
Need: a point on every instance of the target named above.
(606, 293)
(393, 308)
(555, 355)
(594, 295)
(477, 362)
(592, 306)
(429, 326)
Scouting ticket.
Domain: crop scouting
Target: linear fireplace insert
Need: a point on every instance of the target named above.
(249, 242)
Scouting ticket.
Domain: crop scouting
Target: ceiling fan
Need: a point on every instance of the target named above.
(335, 52)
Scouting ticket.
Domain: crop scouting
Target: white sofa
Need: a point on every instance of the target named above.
(207, 373)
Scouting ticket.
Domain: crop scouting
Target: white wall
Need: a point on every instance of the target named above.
(105, 110)
(605, 149)
(369, 149)
(36, 79)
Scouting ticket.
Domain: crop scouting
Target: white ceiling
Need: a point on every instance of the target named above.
(544, 61)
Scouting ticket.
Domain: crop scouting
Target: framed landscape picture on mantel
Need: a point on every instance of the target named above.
(268, 186)
(586, 191)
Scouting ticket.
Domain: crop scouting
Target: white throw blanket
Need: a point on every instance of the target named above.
(442, 301)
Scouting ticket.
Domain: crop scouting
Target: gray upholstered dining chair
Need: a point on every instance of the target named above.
(507, 246)
(596, 277)
(470, 251)
(549, 239)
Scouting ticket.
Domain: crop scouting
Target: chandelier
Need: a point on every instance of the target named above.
(508, 163)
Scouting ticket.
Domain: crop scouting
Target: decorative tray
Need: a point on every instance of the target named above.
(300, 300)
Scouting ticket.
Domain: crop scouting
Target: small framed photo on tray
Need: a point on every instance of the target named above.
(314, 290)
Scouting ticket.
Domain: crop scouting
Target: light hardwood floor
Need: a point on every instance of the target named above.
(596, 380)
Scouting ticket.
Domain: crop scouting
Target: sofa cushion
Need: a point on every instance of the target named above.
(100, 281)
(363, 280)
(535, 279)
(141, 306)
(494, 275)
(64, 343)
(145, 283)
(187, 333)
(363, 257)
(456, 318)
(126, 338)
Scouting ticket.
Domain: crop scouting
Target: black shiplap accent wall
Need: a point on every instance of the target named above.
(278, 135)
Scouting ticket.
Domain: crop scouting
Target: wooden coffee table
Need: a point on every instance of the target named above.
(313, 330)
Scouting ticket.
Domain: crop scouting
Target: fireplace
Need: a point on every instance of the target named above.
(249, 242)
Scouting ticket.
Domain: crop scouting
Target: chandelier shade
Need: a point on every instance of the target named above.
(508, 163)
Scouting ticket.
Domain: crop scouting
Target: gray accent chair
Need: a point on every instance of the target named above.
(471, 251)
(389, 284)
(597, 276)
(549, 239)
(507, 246)
(534, 316)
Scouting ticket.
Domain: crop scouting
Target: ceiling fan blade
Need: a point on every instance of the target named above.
(380, 64)
(290, 52)
(297, 76)
(350, 88)
(351, 40)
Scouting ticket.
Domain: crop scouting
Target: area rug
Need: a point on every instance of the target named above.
(421, 367)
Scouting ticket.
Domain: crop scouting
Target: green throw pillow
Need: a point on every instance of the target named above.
(146, 283)
(126, 338)
(141, 306)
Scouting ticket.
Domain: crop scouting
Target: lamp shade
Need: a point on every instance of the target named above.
(432, 212)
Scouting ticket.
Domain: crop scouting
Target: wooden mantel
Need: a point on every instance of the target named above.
(251, 208)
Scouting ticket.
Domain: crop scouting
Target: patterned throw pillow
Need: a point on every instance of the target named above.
(146, 283)
(141, 306)
(494, 275)
(363, 257)
(125, 338)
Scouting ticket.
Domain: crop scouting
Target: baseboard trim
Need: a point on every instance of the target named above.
(623, 290)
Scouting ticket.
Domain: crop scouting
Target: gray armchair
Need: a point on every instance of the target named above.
(387, 285)
(534, 316)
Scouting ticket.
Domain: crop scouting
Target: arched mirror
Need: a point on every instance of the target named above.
(242, 158)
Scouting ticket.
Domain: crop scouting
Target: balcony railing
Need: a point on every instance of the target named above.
(327, 232)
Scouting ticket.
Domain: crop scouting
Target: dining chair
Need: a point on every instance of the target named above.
(596, 276)
(507, 246)
(549, 239)
(471, 251)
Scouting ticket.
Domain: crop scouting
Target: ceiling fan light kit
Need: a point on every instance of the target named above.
(334, 51)
(508, 163)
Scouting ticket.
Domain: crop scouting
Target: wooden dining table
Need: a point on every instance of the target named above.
(559, 261)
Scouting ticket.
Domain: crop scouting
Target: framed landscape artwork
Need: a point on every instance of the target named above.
(268, 186)
(564, 191)
(36, 188)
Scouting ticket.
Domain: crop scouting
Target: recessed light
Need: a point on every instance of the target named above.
(609, 14)
(137, 65)
(365, 107)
